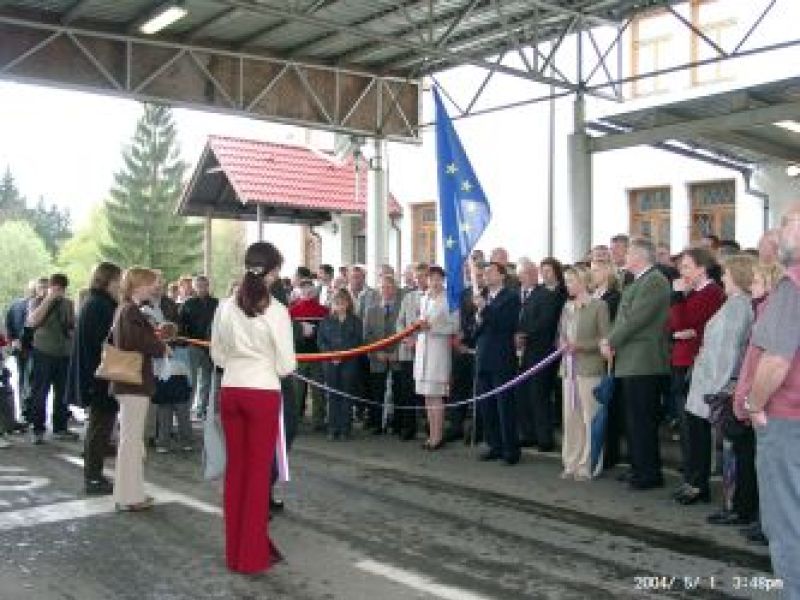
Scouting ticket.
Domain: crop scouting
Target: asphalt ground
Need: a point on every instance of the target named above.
(372, 518)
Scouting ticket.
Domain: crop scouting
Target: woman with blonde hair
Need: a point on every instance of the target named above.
(584, 322)
(133, 332)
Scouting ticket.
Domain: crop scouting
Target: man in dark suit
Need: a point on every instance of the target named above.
(497, 318)
(536, 336)
(638, 344)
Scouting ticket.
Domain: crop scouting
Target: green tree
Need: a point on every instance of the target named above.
(142, 225)
(51, 223)
(229, 243)
(24, 258)
(79, 255)
(12, 203)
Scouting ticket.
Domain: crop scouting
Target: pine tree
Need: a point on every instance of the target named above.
(12, 203)
(142, 225)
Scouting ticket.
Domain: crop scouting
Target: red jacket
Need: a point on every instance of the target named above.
(693, 312)
(307, 309)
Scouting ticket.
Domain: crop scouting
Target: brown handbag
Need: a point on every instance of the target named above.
(119, 366)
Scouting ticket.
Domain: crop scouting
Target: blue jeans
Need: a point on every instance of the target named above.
(778, 464)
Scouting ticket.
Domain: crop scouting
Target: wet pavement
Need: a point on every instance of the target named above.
(373, 518)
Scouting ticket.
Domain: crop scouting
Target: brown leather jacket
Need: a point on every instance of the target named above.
(132, 331)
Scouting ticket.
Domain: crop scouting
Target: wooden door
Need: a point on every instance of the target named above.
(423, 230)
(650, 214)
(713, 209)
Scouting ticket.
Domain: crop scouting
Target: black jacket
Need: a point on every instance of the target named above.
(538, 320)
(494, 334)
(94, 323)
(334, 334)
(196, 316)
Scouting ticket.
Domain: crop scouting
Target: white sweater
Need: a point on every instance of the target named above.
(255, 352)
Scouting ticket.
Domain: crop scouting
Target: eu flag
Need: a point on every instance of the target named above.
(463, 207)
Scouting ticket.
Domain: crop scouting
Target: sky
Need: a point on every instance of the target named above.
(66, 146)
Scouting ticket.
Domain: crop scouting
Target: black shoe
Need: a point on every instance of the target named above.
(757, 538)
(37, 439)
(681, 490)
(66, 436)
(275, 505)
(725, 517)
(694, 496)
(99, 487)
(624, 477)
(640, 485)
(489, 455)
(511, 460)
(525, 443)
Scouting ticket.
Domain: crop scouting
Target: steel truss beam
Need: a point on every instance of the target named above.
(694, 128)
(423, 50)
(348, 101)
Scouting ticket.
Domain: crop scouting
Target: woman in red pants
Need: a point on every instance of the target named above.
(252, 341)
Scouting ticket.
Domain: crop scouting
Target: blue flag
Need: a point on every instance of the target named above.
(463, 207)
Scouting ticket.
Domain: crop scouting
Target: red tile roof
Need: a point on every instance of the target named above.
(293, 176)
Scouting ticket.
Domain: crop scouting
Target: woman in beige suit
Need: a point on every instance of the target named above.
(584, 322)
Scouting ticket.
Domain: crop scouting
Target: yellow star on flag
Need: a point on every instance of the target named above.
(450, 243)
(466, 186)
(452, 169)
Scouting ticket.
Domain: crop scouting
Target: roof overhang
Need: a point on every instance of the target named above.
(350, 66)
(741, 126)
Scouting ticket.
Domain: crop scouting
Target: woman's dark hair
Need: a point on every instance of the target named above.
(437, 270)
(103, 275)
(344, 295)
(557, 267)
(701, 257)
(260, 259)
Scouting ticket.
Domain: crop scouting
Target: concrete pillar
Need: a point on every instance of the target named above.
(580, 184)
(377, 213)
(260, 222)
(207, 246)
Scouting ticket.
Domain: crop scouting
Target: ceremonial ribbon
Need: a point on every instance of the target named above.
(337, 355)
(549, 359)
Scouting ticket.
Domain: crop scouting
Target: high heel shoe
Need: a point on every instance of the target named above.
(437, 446)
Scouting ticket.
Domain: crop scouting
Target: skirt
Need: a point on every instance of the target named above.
(432, 388)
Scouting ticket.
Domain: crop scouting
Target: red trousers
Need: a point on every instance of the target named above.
(250, 420)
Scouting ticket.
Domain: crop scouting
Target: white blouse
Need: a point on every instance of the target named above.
(255, 352)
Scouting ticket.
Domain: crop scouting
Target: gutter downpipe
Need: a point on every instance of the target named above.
(749, 189)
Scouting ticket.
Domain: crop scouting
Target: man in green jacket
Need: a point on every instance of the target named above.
(639, 346)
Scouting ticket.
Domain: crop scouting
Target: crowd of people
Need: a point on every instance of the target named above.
(702, 347)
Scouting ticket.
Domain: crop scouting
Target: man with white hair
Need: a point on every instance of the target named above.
(638, 345)
(774, 407)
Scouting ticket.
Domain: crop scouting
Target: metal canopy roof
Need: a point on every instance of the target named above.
(389, 37)
(738, 125)
(350, 66)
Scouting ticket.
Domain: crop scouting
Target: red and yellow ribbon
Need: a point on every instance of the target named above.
(339, 354)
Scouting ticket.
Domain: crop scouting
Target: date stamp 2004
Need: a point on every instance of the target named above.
(656, 583)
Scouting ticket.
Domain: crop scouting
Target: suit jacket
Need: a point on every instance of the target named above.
(378, 325)
(538, 320)
(494, 334)
(639, 335)
(368, 297)
(409, 314)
